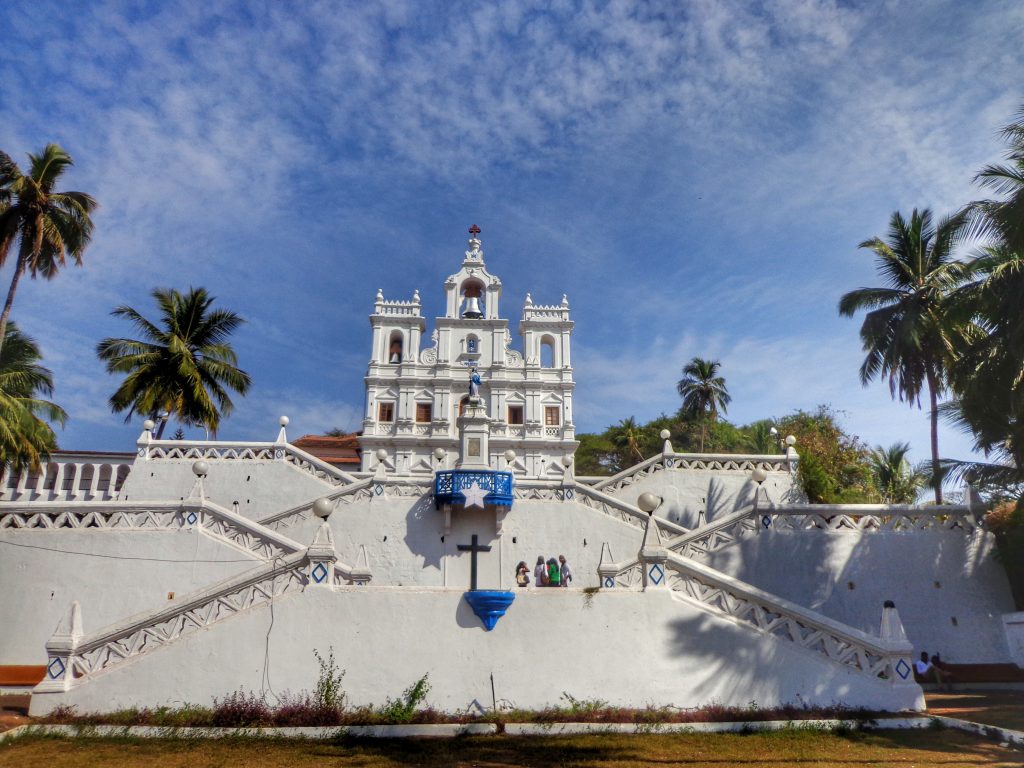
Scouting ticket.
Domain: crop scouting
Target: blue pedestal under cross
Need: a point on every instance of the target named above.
(488, 604)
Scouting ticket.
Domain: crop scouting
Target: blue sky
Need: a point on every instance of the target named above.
(694, 175)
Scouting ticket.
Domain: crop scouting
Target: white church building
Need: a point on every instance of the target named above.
(186, 570)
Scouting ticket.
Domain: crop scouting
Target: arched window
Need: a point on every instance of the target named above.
(547, 352)
(395, 345)
(122, 475)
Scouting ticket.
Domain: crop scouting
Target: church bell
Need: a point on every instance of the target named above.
(472, 307)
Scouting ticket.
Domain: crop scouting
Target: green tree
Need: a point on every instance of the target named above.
(628, 437)
(25, 436)
(703, 391)
(184, 364)
(834, 467)
(759, 438)
(907, 332)
(47, 225)
(1003, 219)
(896, 480)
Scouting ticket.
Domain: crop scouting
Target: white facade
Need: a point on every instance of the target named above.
(415, 393)
(121, 572)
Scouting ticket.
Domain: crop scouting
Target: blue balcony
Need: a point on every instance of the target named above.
(450, 487)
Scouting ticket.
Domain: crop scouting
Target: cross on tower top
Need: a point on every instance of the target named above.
(474, 230)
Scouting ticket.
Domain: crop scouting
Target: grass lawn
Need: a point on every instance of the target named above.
(805, 748)
(1002, 708)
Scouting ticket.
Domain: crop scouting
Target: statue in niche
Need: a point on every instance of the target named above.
(474, 384)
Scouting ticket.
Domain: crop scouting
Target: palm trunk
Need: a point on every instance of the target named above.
(19, 270)
(933, 397)
(703, 428)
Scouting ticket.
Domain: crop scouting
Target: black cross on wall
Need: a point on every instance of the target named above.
(473, 549)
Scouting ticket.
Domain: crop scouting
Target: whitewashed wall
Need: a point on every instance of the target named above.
(662, 651)
(692, 495)
(403, 540)
(933, 577)
(120, 574)
(260, 487)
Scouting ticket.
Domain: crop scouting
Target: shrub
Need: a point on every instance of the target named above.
(402, 710)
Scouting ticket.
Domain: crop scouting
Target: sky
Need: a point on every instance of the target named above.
(695, 175)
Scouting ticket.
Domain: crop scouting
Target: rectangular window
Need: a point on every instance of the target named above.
(515, 414)
(385, 412)
(552, 415)
(424, 412)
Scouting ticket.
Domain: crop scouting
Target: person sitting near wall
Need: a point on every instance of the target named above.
(926, 672)
(942, 670)
(565, 571)
(554, 573)
(540, 573)
(522, 574)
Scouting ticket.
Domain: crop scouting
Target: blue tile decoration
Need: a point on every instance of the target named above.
(670, 463)
(903, 669)
(378, 489)
(191, 518)
(319, 573)
(609, 582)
(56, 669)
(449, 484)
(489, 605)
(656, 574)
(570, 494)
(766, 521)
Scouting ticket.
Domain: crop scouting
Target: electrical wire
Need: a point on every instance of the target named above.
(120, 557)
(265, 686)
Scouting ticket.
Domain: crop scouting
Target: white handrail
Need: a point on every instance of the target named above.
(626, 512)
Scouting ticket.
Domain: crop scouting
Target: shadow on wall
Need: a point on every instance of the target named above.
(847, 576)
(423, 531)
(755, 670)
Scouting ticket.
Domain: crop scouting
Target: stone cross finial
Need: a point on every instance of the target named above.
(474, 230)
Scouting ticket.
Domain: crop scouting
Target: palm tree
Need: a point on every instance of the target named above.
(1004, 219)
(988, 374)
(183, 366)
(47, 225)
(907, 332)
(703, 392)
(25, 436)
(894, 476)
(628, 436)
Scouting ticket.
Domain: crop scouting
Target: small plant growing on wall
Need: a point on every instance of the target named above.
(402, 710)
(329, 693)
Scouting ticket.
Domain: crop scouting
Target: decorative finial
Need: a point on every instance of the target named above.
(529, 300)
(565, 300)
(416, 296)
(474, 230)
(380, 294)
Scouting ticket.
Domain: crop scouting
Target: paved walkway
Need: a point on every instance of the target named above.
(1002, 708)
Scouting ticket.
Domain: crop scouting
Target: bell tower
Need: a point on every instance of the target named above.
(518, 415)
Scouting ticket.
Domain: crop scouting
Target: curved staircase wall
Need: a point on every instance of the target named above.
(947, 584)
(693, 495)
(124, 572)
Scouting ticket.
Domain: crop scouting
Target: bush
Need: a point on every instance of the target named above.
(402, 710)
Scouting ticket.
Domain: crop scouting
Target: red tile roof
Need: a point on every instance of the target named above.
(341, 451)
